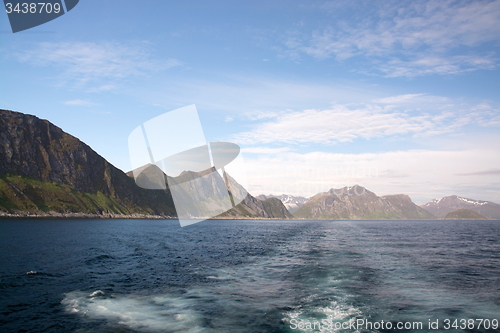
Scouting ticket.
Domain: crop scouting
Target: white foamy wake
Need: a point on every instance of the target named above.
(144, 313)
(336, 312)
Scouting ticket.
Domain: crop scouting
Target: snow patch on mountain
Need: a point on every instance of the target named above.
(441, 207)
(292, 203)
(474, 202)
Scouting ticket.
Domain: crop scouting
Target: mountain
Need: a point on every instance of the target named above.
(464, 214)
(47, 172)
(209, 198)
(43, 169)
(291, 202)
(443, 206)
(358, 203)
(252, 207)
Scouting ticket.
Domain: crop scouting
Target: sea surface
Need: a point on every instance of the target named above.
(249, 276)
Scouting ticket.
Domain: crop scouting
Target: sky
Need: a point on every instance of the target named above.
(396, 96)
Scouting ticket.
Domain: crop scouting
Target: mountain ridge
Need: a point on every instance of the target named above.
(448, 204)
(357, 202)
(201, 189)
(292, 203)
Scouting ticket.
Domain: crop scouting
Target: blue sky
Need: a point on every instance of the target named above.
(400, 97)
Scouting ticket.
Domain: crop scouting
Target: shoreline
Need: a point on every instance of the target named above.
(56, 215)
(137, 216)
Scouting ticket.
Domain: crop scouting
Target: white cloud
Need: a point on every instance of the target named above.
(390, 173)
(342, 124)
(79, 102)
(264, 150)
(481, 173)
(258, 115)
(228, 119)
(419, 38)
(437, 65)
(397, 99)
(422, 174)
(85, 61)
(487, 115)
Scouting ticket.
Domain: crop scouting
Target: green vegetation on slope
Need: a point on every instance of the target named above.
(465, 214)
(44, 169)
(20, 193)
(275, 208)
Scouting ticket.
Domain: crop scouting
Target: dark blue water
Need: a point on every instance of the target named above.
(248, 276)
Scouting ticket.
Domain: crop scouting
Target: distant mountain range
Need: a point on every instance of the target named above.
(47, 172)
(291, 202)
(356, 202)
(206, 195)
(443, 206)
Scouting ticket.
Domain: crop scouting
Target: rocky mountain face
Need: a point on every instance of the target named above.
(464, 214)
(206, 188)
(358, 203)
(251, 206)
(292, 203)
(445, 205)
(42, 169)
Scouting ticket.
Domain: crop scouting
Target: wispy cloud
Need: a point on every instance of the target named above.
(79, 102)
(489, 115)
(344, 124)
(437, 65)
(259, 115)
(264, 150)
(481, 173)
(397, 99)
(390, 173)
(411, 39)
(86, 61)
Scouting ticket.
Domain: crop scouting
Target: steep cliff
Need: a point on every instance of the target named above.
(42, 169)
